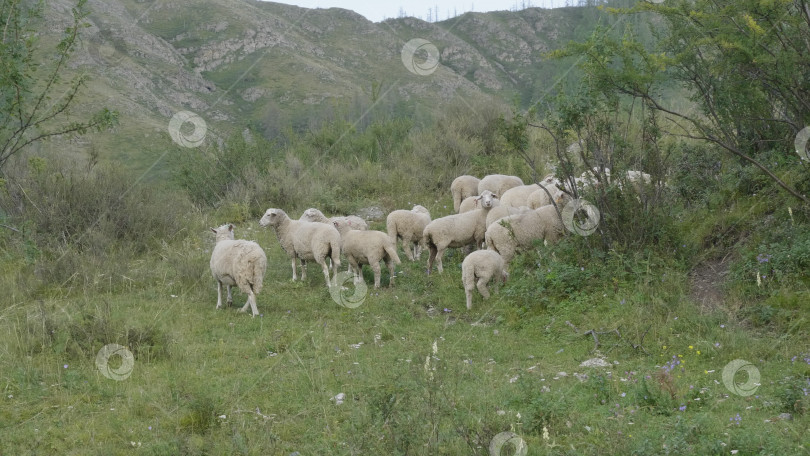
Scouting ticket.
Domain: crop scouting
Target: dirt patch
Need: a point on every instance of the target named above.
(706, 283)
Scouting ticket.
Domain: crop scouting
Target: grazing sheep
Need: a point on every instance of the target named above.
(408, 225)
(305, 241)
(367, 247)
(463, 187)
(498, 183)
(518, 196)
(519, 231)
(477, 269)
(457, 230)
(472, 203)
(314, 215)
(539, 197)
(237, 262)
(499, 212)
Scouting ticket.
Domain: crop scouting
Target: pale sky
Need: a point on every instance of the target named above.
(377, 11)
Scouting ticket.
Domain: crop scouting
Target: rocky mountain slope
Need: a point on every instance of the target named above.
(269, 66)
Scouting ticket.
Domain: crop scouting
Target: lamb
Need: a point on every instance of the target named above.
(498, 183)
(305, 241)
(408, 225)
(471, 203)
(237, 262)
(518, 196)
(477, 269)
(520, 230)
(367, 247)
(314, 215)
(457, 230)
(463, 187)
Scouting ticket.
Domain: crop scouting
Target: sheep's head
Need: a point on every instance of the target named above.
(224, 232)
(342, 225)
(313, 215)
(420, 209)
(272, 217)
(487, 200)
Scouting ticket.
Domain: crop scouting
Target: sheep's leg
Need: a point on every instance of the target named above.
(468, 295)
(230, 298)
(356, 270)
(375, 266)
(251, 301)
(294, 268)
(303, 270)
(431, 257)
(219, 294)
(439, 254)
(390, 264)
(325, 269)
(482, 287)
(407, 246)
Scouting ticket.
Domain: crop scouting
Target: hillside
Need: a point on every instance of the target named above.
(271, 66)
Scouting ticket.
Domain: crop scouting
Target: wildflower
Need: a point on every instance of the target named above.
(717, 345)
(682, 408)
(722, 326)
(698, 352)
(624, 394)
(65, 366)
(691, 347)
(447, 310)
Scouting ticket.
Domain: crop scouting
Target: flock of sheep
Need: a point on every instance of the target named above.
(497, 211)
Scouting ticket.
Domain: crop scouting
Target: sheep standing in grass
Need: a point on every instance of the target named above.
(367, 247)
(408, 225)
(477, 269)
(463, 187)
(314, 215)
(305, 241)
(514, 232)
(237, 262)
(457, 230)
(472, 203)
(499, 212)
(540, 197)
(518, 196)
(498, 183)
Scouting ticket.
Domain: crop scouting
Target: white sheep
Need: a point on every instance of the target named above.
(519, 231)
(463, 187)
(498, 183)
(237, 262)
(540, 198)
(518, 196)
(305, 241)
(457, 230)
(367, 247)
(408, 225)
(499, 212)
(471, 203)
(477, 269)
(315, 215)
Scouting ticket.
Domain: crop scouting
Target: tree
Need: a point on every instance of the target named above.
(743, 65)
(34, 102)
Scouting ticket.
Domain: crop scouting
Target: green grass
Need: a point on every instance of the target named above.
(209, 381)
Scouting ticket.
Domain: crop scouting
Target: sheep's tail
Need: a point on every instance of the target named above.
(257, 265)
(489, 242)
(391, 227)
(391, 250)
(334, 245)
(427, 240)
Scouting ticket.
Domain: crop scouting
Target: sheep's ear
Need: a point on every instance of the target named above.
(230, 227)
(335, 222)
